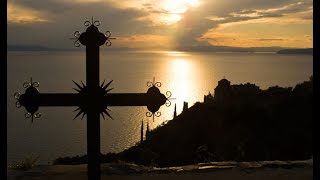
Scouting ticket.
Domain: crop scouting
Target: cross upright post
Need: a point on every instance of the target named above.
(92, 99)
(93, 39)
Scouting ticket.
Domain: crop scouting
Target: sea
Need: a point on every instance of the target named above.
(187, 75)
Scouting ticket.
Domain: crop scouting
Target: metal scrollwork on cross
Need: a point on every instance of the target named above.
(31, 106)
(153, 108)
(92, 99)
(95, 23)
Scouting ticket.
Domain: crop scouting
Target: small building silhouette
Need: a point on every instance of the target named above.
(208, 98)
(225, 93)
(185, 106)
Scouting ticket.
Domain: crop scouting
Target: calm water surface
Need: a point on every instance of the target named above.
(189, 76)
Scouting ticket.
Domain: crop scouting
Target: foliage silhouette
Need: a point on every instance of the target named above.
(26, 164)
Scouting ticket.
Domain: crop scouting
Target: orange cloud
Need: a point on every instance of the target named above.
(246, 40)
(20, 14)
(288, 30)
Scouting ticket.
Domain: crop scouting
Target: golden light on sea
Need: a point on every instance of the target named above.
(184, 72)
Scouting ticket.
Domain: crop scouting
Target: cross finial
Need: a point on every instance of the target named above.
(92, 36)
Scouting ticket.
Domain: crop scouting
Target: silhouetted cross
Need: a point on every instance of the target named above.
(92, 99)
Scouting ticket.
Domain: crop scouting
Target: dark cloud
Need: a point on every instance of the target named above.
(148, 5)
(159, 11)
(153, 9)
(48, 6)
(307, 16)
(268, 14)
(263, 39)
(247, 11)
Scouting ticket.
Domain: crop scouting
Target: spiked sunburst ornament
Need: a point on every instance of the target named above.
(94, 103)
(104, 89)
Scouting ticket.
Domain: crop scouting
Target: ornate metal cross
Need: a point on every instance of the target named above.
(92, 99)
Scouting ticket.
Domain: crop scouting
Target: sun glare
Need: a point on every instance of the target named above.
(184, 75)
(180, 70)
(179, 6)
(176, 8)
(181, 67)
(171, 18)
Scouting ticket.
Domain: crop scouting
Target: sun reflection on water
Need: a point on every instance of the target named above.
(176, 53)
(182, 78)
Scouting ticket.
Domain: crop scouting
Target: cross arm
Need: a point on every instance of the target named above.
(133, 99)
(153, 99)
(32, 99)
(69, 99)
(47, 99)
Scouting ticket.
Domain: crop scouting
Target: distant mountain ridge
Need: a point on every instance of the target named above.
(229, 49)
(28, 48)
(308, 51)
(279, 50)
(11, 47)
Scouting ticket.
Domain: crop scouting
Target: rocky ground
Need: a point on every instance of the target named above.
(265, 170)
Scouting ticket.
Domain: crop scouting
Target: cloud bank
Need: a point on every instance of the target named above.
(152, 24)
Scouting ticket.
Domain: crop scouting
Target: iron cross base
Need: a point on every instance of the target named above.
(92, 99)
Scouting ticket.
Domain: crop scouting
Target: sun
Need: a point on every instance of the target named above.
(179, 6)
(175, 8)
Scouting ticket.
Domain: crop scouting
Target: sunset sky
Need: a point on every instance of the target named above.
(166, 24)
